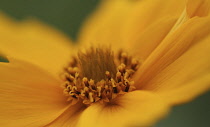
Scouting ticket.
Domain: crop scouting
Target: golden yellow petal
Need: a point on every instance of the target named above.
(187, 77)
(143, 44)
(171, 48)
(199, 8)
(28, 95)
(70, 117)
(192, 9)
(104, 27)
(118, 23)
(188, 91)
(138, 108)
(34, 42)
(146, 12)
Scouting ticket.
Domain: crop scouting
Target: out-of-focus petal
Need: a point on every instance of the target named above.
(148, 38)
(34, 42)
(199, 8)
(70, 117)
(104, 27)
(28, 95)
(119, 22)
(138, 108)
(171, 48)
(146, 42)
(193, 8)
(188, 90)
(187, 77)
(146, 12)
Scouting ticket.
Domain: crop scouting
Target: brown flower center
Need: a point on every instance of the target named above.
(99, 75)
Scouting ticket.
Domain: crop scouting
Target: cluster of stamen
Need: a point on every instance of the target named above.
(81, 86)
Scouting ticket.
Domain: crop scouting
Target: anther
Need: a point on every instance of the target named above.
(85, 81)
(121, 68)
(82, 93)
(124, 58)
(91, 97)
(99, 91)
(70, 70)
(91, 82)
(124, 55)
(70, 78)
(118, 76)
(134, 64)
(86, 89)
(108, 75)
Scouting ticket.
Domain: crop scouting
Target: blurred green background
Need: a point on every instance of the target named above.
(67, 16)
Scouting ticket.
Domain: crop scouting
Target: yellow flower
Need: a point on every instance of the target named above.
(136, 59)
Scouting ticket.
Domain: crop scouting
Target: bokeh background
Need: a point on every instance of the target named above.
(67, 16)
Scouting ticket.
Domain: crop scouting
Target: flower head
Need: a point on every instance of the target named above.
(133, 61)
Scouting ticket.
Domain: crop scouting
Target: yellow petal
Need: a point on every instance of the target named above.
(28, 95)
(105, 25)
(188, 91)
(192, 9)
(34, 42)
(198, 8)
(146, 12)
(117, 22)
(138, 108)
(187, 77)
(146, 42)
(70, 117)
(173, 46)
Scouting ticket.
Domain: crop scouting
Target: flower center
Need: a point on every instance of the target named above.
(99, 75)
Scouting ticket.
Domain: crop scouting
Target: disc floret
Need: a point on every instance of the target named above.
(109, 76)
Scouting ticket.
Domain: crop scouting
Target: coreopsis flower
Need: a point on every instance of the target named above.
(132, 62)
